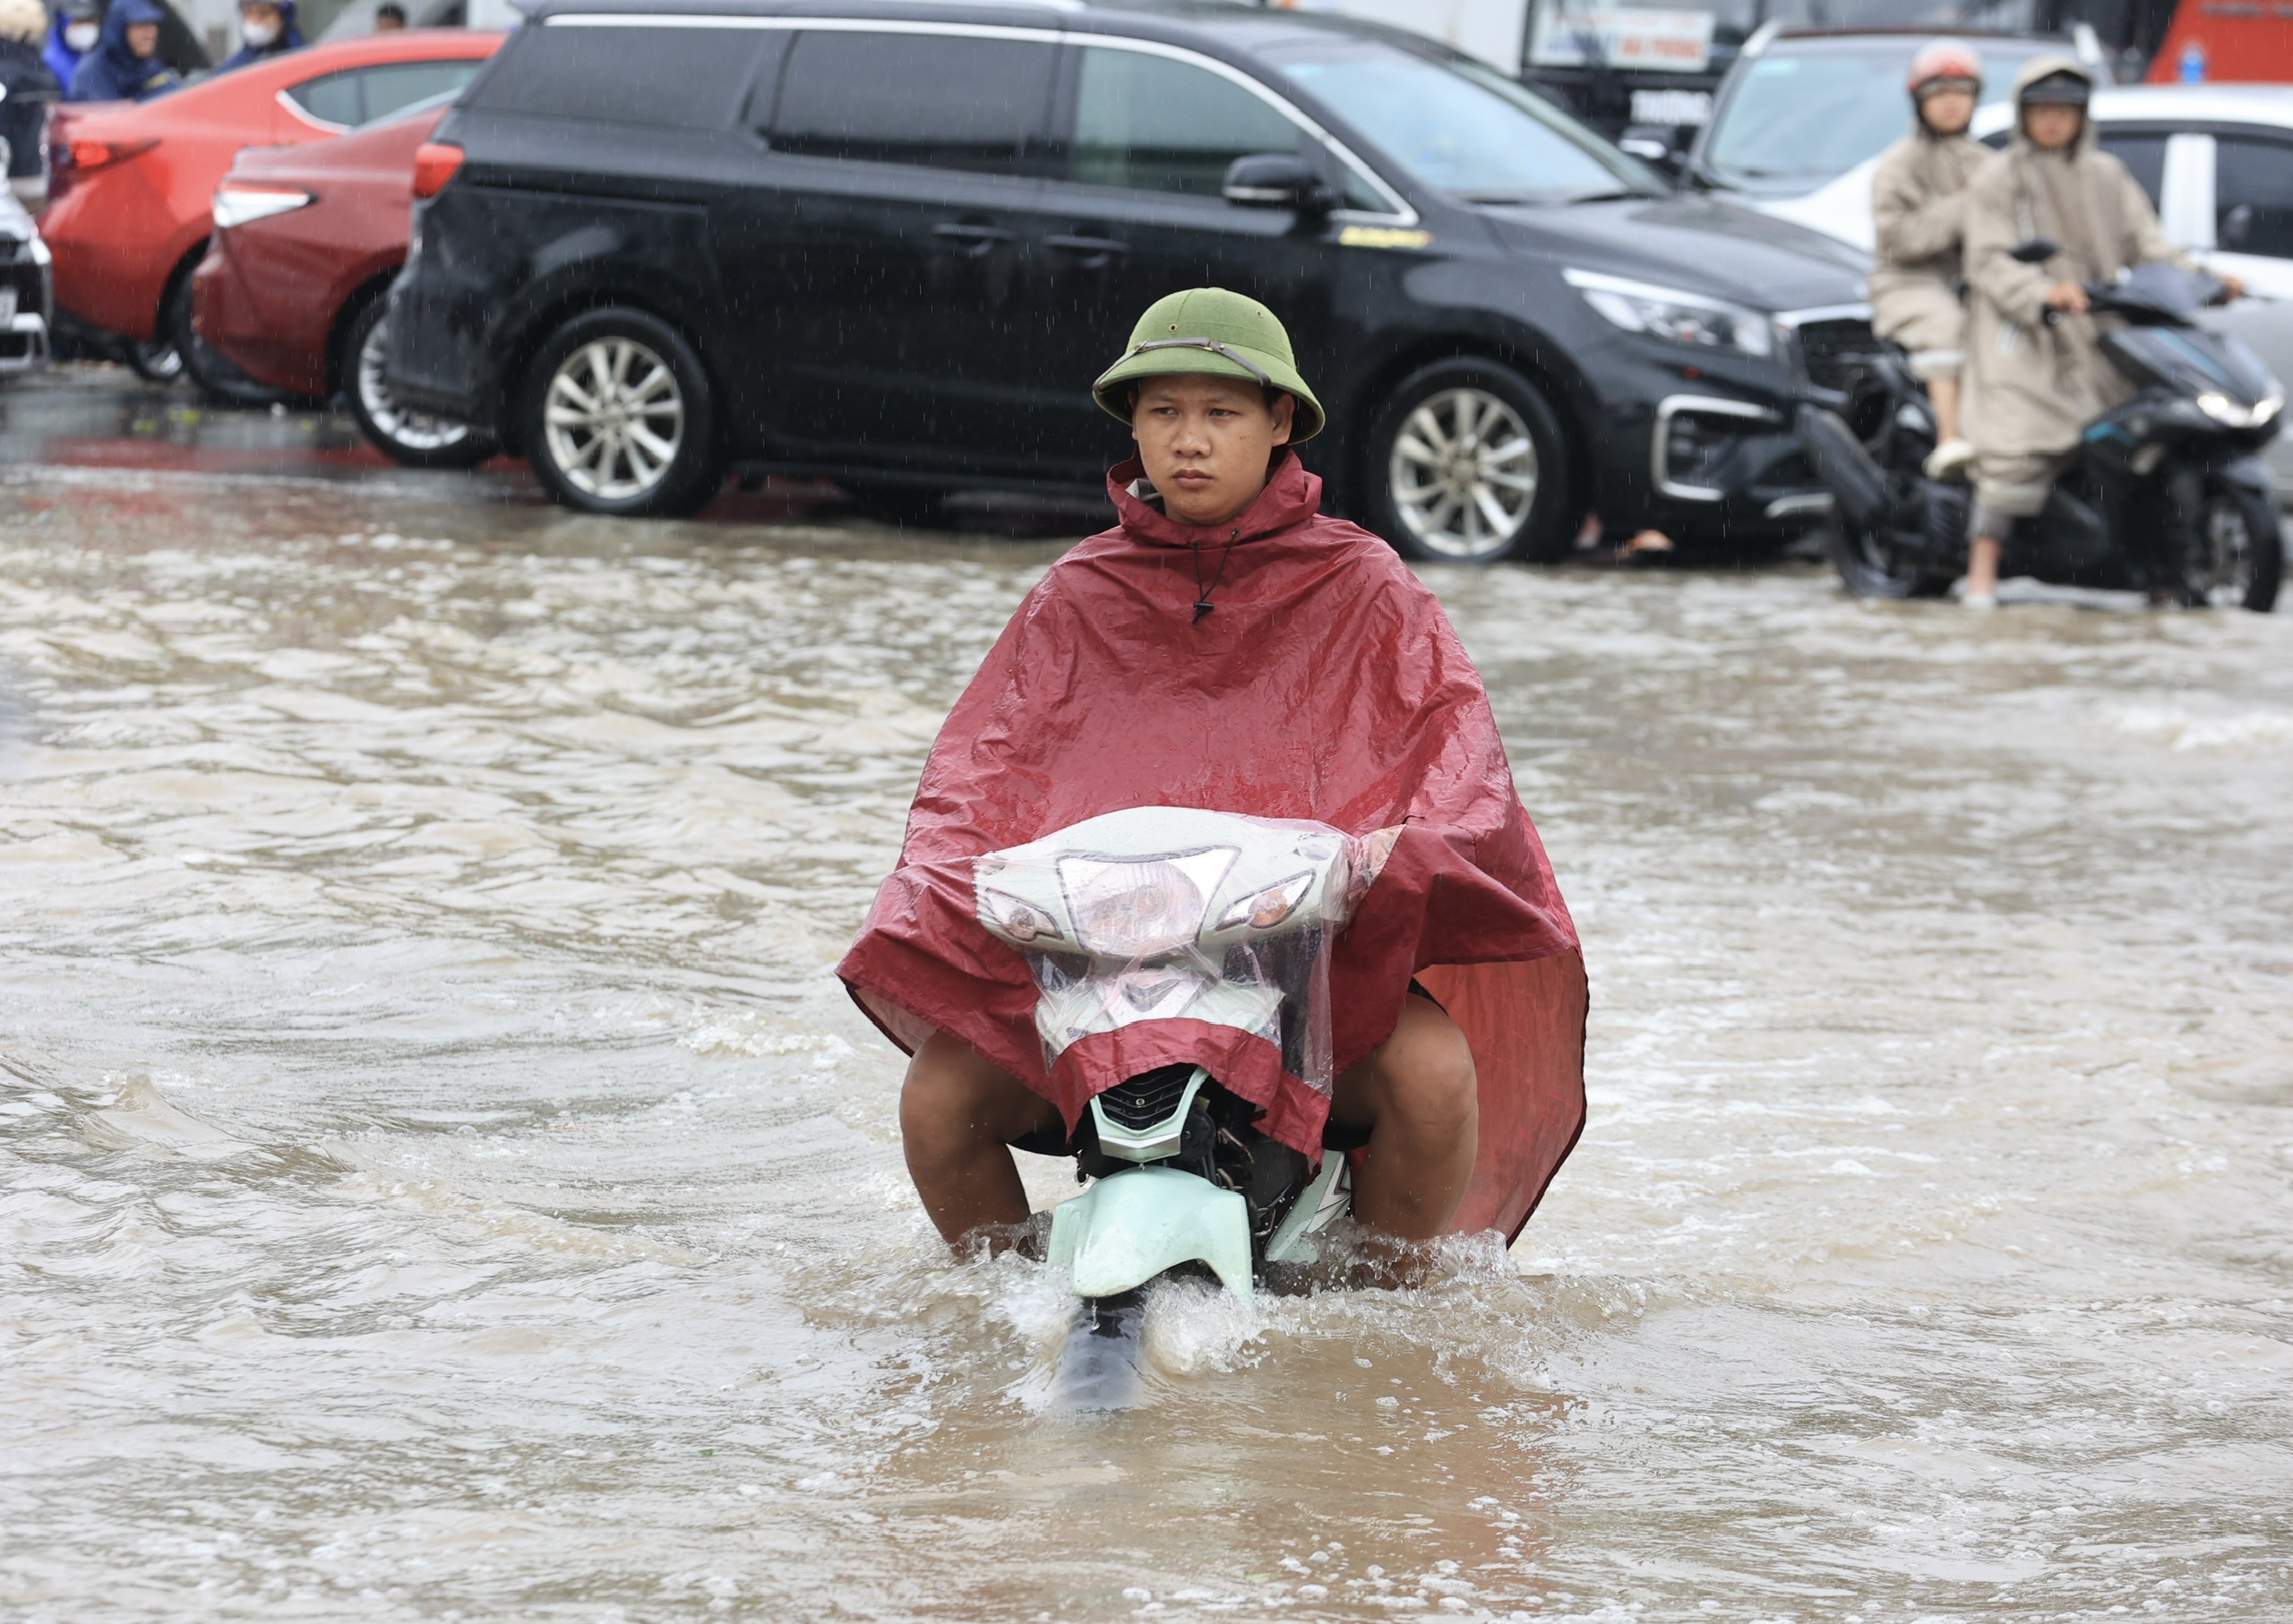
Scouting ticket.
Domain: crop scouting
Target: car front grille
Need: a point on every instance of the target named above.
(1832, 351)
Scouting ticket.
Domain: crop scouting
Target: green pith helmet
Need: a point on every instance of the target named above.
(1209, 330)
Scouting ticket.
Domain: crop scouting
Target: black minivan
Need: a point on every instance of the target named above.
(891, 242)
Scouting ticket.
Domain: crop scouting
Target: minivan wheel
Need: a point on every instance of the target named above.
(620, 418)
(416, 439)
(1466, 464)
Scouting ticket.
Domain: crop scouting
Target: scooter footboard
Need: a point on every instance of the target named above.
(1130, 1227)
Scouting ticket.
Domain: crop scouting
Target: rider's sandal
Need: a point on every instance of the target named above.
(1947, 459)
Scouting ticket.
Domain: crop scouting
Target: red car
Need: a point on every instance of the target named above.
(134, 183)
(306, 241)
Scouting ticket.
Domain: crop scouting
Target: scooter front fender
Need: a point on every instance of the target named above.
(2242, 468)
(1130, 1227)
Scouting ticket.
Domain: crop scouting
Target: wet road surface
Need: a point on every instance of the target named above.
(441, 1179)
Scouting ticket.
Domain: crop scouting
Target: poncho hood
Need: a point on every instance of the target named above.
(1293, 497)
(1325, 682)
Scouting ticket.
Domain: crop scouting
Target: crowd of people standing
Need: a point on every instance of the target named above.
(87, 51)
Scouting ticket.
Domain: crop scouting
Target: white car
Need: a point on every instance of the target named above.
(2218, 161)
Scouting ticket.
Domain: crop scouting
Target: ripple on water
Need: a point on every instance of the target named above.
(438, 1175)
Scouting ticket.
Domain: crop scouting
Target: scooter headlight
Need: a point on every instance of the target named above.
(2229, 414)
(1141, 907)
(1270, 907)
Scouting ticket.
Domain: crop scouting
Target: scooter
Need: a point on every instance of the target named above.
(2166, 493)
(1218, 924)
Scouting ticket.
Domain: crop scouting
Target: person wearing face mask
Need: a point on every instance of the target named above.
(78, 25)
(126, 66)
(1918, 193)
(27, 90)
(2036, 371)
(265, 30)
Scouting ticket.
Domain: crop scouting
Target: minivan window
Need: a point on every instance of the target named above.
(1155, 125)
(1810, 109)
(2141, 152)
(1456, 126)
(683, 78)
(941, 101)
(2252, 196)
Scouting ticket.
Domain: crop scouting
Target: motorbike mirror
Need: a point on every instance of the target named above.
(2036, 251)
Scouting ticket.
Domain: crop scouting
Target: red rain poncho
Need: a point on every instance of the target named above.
(1325, 684)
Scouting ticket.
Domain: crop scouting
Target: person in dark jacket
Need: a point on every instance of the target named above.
(27, 90)
(265, 30)
(126, 66)
(78, 25)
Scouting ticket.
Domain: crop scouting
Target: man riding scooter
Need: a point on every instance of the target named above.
(1227, 647)
(1917, 199)
(2036, 375)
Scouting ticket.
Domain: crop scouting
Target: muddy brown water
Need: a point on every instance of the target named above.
(440, 1178)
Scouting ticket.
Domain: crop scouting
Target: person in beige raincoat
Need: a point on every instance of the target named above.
(1918, 198)
(2031, 386)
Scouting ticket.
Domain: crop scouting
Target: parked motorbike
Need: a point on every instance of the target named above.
(2166, 495)
(1216, 925)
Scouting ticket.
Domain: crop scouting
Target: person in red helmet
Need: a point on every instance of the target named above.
(1918, 197)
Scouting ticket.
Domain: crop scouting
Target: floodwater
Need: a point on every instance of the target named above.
(440, 1177)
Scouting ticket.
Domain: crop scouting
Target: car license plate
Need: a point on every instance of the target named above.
(1674, 107)
(8, 303)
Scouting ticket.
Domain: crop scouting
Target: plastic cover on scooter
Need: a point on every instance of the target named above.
(1165, 913)
(1324, 684)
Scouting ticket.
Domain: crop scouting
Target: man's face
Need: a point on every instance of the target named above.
(1206, 441)
(143, 38)
(2052, 125)
(1948, 112)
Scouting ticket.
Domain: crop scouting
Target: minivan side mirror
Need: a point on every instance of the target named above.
(1278, 180)
(2035, 251)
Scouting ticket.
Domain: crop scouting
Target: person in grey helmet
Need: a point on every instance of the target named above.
(1918, 198)
(2034, 384)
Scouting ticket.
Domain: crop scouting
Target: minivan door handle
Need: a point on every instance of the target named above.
(1093, 251)
(976, 239)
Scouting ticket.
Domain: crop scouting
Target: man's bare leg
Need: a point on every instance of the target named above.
(1415, 1092)
(1982, 567)
(958, 1113)
(1418, 1096)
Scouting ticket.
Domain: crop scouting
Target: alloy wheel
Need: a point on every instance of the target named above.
(415, 431)
(155, 360)
(614, 419)
(2221, 572)
(1463, 473)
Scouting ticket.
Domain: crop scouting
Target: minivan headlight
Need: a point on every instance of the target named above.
(1669, 312)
